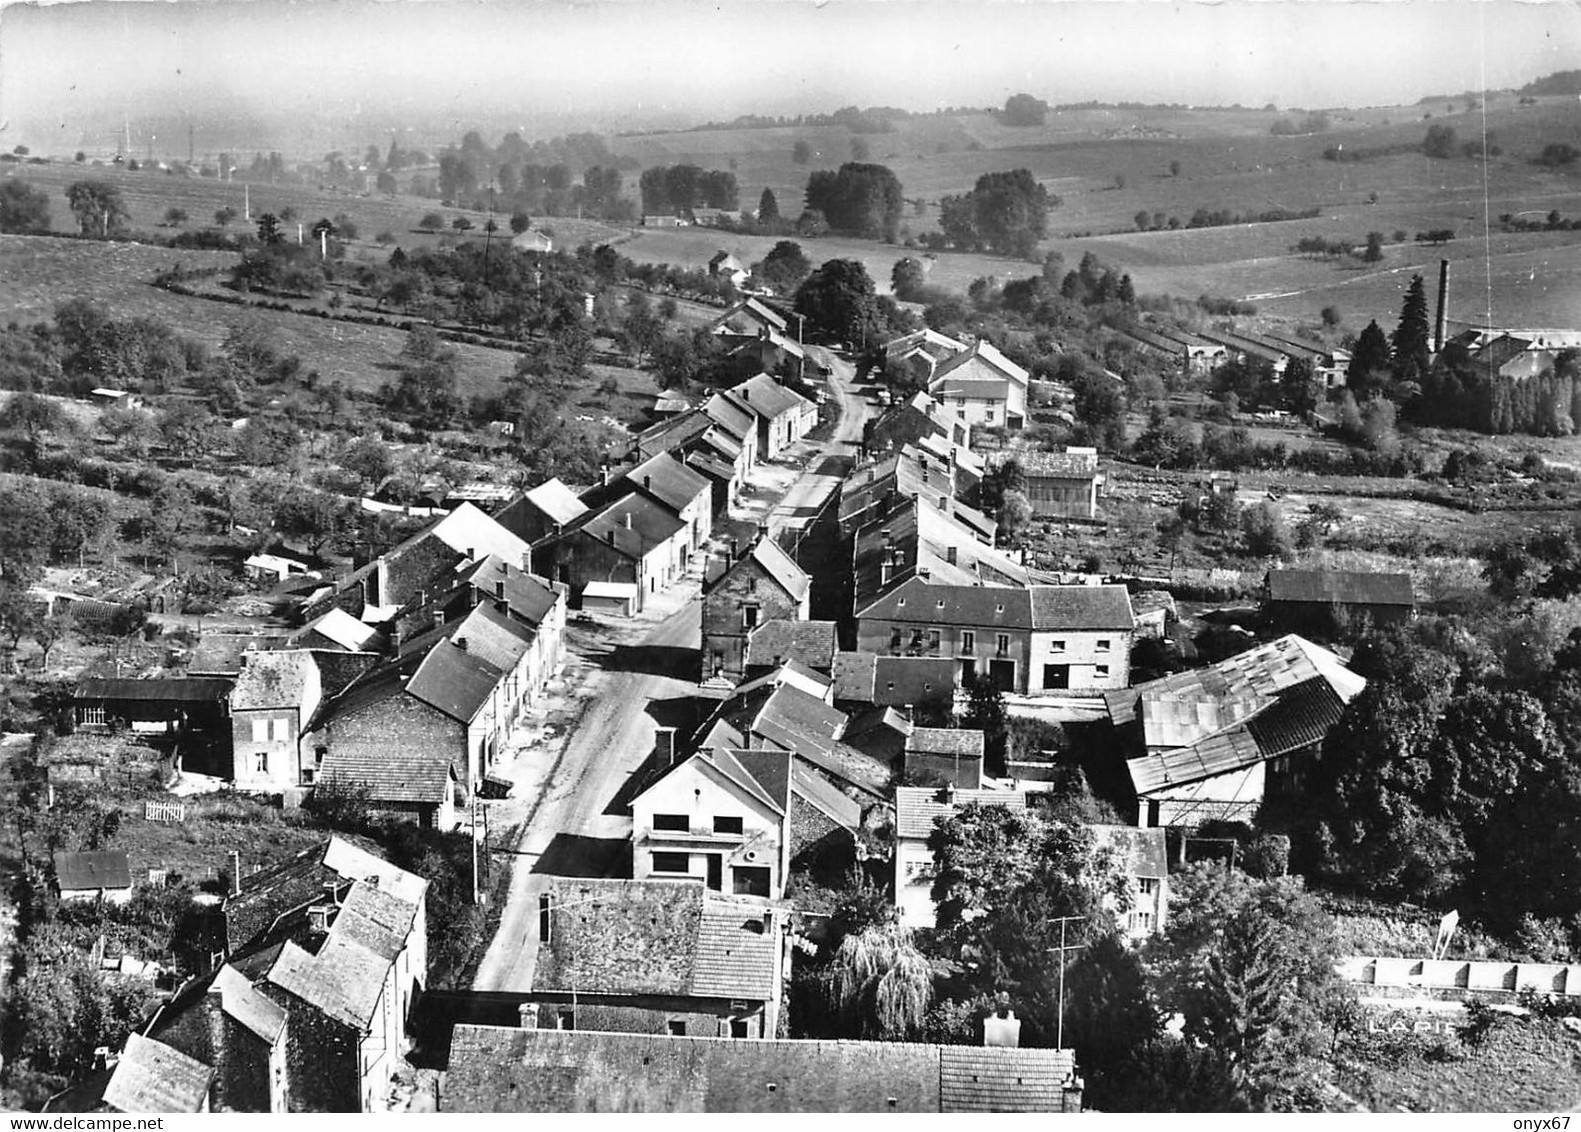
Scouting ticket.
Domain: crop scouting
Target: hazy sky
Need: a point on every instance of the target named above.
(64, 67)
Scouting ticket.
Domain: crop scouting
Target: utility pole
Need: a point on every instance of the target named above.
(1062, 921)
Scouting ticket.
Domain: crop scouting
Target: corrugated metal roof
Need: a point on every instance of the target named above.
(1217, 754)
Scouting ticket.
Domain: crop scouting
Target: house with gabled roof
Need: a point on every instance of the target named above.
(723, 265)
(633, 542)
(375, 591)
(924, 348)
(811, 644)
(224, 1021)
(1144, 858)
(419, 732)
(743, 592)
(950, 756)
(149, 1076)
(535, 603)
(1030, 640)
(541, 511)
(499, 1069)
(910, 420)
(983, 387)
(273, 703)
(337, 629)
(1312, 600)
(917, 811)
(863, 678)
(738, 820)
(783, 415)
(668, 482)
(659, 957)
(749, 316)
(96, 874)
(877, 487)
(1207, 744)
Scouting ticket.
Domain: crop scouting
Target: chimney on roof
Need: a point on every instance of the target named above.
(735, 549)
(763, 530)
(472, 554)
(461, 643)
(499, 588)
(944, 503)
(924, 472)
(604, 474)
(626, 520)
(951, 555)
(439, 614)
(746, 394)
(664, 748)
(647, 483)
(381, 581)
(1002, 1028)
(527, 1013)
(923, 572)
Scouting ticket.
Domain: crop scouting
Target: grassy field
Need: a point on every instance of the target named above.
(1526, 1065)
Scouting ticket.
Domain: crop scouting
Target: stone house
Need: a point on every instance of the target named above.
(541, 511)
(783, 416)
(272, 707)
(633, 542)
(984, 387)
(761, 585)
(657, 957)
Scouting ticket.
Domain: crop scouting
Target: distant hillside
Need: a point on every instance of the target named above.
(1560, 82)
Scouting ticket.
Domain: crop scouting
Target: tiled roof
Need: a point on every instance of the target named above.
(530, 597)
(811, 643)
(768, 397)
(1352, 587)
(1142, 852)
(1081, 607)
(959, 385)
(267, 896)
(754, 311)
(796, 721)
(812, 789)
(760, 775)
(790, 671)
(275, 680)
(916, 535)
(152, 1077)
(941, 344)
(737, 952)
(450, 679)
(674, 432)
(1002, 1079)
(981, 362)
(651, 525)
(726, 410)
(656, 937)
(347, 975)
(397, 774)
(781, 567)
(502, 1069)
(714, 466)
(945, 741)
(661, 477)
(1300, 717)
(239, 998)
(917, 807)
(105, 868)
(467, 530)
(483, 633)
(1500, 351)
(896, 681)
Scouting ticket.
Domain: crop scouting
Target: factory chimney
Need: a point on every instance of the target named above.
(1443, 305)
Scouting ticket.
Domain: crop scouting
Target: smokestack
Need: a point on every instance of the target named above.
(1443, 305)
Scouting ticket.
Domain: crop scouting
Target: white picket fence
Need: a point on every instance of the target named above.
(171, 813)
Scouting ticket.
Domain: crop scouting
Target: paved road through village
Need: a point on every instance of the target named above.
(573, 827)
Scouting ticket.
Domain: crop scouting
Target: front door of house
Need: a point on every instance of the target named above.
(1003, 674)
(716, 872)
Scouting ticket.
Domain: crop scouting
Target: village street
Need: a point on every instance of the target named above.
(625, 680)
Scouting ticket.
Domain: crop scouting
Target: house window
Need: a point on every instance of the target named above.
(672, 863)
(1002, 644)
(968, 641)
(1056, 676)
(1056, 646)
(1147, 887)
(260, 731)
(675, 823)
(723, 824)
(916, 638)
(1141, 921)
(280, 730)
(565, 1020)
(1100, 671)
(678, 1027)
(749, 616)
(261, 762)
(319, 753)
(935, 638)
(307, 776)
(894, 640)
(738, 1027)
(1103, 644)
(749, 880)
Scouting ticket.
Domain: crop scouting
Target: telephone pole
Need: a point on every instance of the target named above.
(1062, 921)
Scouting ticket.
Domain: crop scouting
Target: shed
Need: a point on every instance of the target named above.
(610, 597)
(87, 876)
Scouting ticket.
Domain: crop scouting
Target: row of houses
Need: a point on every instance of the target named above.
(306, 1009)
(1199, 352)
(976, 381)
